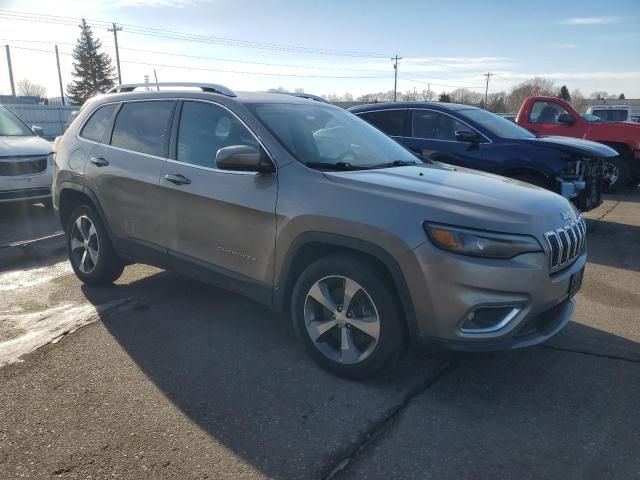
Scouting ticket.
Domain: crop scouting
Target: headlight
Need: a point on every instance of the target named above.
(477, 243)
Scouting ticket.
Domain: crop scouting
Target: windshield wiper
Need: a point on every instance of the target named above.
(344, 166)
(395, 163)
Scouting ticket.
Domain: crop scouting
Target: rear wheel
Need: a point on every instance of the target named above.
(347, 318)
(90, 252)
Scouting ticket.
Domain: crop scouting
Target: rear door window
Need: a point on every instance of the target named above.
(142, 127)
(390, 122)
(96, 128)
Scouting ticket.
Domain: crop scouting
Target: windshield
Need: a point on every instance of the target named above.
(611, 115)
(318, 135)
(497, 125)
(11, 126)
(590, 118)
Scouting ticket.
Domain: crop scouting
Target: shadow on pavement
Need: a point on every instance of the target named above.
(235, 368)
(614, 244)
(26, 221)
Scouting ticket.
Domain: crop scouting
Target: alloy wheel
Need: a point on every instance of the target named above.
(611, 172)
(84, 244)
(341, 319)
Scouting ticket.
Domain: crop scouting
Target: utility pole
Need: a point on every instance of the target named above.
(13, 87)
(59, 76)
(486, 90)
(115, 31)
(156, 75)
(395, 78)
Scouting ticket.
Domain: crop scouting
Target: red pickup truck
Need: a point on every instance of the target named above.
(553, 116)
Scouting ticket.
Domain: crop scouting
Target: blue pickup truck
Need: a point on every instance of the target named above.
(474, 138)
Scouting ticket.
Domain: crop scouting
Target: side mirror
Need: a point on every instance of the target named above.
(467, 137)
(566, 119)
(243, 158)
(37, 130)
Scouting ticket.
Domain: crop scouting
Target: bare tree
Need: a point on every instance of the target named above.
(299, 90)
(29, 89)
(529, 88)
(578, 101)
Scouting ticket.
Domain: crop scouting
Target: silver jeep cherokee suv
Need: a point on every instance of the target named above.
(306, 208)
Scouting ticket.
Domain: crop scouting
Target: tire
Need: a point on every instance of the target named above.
(94, 262)
(617, 174)
(371, 298)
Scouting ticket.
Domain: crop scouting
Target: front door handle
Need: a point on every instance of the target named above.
(99, 161)
(177, 179)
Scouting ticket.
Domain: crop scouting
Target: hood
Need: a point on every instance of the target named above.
(574, 146)
(19, 146)
(464, 197)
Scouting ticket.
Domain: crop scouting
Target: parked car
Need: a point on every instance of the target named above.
(26, 161)
(635, 118)
(553, 116)
(474, 138)
(611, 113)
(303, 206)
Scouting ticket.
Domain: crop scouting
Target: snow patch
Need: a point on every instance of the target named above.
(19, 279)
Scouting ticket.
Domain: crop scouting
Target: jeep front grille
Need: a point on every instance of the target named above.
(16, 166)
(566, 244)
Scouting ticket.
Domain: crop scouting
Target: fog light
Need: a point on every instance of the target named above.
(488, 319)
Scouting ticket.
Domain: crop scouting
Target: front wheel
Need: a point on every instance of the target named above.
(347, 318)
(616, 173)
(90, 252)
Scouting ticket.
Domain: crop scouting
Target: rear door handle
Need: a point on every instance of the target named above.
(99, 161)
(177, 179)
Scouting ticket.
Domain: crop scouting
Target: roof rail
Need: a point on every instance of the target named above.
(205, 87)
(308, 96)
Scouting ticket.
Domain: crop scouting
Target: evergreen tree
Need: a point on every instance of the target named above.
(444, 97)
(92, 70)
(564, 93)
(621, 97)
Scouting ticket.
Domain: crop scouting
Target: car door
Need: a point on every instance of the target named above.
(125, 170)
(433, 135)
(543, 119)
(220, 224)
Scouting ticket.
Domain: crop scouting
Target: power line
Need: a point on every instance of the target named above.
(439, 84)
(186, 67)
(171, 34)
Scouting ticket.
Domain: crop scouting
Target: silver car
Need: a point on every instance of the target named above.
(26, 162)
(308, 209)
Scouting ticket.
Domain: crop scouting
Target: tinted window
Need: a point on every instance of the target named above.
(97, 125)
(546, 112)
(390, 122)
(611, 115)
(435, 125)
(142, 127)
(205, 129)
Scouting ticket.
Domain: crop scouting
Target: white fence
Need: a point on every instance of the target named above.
(52, 118)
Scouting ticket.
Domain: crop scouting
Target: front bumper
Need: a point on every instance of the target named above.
(445, 288)
(26, 187)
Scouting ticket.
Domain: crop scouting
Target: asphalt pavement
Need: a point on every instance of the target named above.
(171, 378)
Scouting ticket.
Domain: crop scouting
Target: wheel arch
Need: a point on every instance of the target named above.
(71, 195)
(312, 246)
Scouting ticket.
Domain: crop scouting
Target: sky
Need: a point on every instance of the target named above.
(334, 47)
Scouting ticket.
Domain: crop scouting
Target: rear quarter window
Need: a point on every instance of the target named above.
(95, 129)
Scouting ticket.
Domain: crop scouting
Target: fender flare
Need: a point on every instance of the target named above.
(81, 188)
(351, 243)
